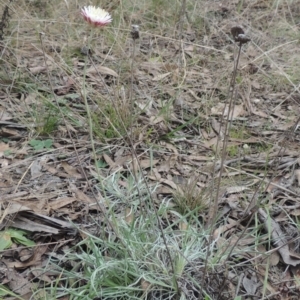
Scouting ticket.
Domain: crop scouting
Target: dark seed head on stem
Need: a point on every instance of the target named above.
(135, 32)
(239, 34)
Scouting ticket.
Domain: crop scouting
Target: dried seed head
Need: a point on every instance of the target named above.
(239, 34)
(4, 20)
(236, 30)
(135, 32)
(85, 51)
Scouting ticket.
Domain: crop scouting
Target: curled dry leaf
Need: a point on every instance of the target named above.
(37, 69)
(80, 195)
(145, 285)
(129, 216)
(61, 202)
(236, 189)
(109, 161)
(160, 76)
(18, 283)
(71, 170)
(34, 260)
(94, 70)
(222, 108)
(36, 169)
(250, 285)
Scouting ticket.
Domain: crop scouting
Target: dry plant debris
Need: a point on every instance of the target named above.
(79, 183)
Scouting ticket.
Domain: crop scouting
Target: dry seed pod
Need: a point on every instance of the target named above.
(135, 32)
(239, 34)
(236, 30)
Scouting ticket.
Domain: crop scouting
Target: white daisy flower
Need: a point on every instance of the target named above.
(96, 16)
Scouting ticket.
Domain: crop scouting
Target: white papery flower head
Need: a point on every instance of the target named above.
(96, 16)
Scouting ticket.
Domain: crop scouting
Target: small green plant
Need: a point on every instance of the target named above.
(232, 150)
(238, 132)
(44, 114)
(135, 267)
(47, 117)
(49, 125)
(190, 198)
(8, 236)
(172, 133)
(41, 144)
(101, 164)
(7, 152)
(109, 123)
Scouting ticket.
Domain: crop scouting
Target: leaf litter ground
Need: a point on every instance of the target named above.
(49, 177)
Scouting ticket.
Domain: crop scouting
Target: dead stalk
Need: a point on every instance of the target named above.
(135, 34)
(181, 18)
(239, 36)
